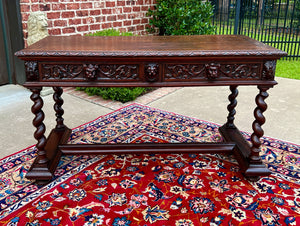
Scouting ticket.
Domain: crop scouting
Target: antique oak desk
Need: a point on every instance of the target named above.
(153, 61)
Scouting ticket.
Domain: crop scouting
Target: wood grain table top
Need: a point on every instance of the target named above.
(150, 46)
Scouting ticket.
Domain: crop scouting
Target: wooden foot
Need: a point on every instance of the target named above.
(252, 179)
(256, 126)
(247, 155)
(40, 166)
(242, 152)
(43, 174)
(256, 165)
(42, 169)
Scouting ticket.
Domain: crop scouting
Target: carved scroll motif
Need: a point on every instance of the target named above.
(152, 72)
(240, 70)
(61, 71)
(122, 72)
(212, 71)
(31, 69)
(89, 71)
(269, 70)
(184, 71)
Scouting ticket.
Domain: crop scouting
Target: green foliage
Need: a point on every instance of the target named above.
(110, 32)
(288, 69)
(182, 17)
(114, 93)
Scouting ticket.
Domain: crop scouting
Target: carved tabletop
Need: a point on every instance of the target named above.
(149, 61)
(143, 59)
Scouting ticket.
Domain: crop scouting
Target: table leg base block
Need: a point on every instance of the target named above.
(45, 172)
(255, 170)
(56, 137)
(242, 152)
(39, 173)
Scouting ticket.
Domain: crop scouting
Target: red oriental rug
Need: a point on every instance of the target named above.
(173, 189)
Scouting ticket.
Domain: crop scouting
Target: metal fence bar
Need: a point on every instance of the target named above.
(237, 16)
(298, 49)
(228, 18)
(291, 34)
(274, 22)
(285, 37)
(270, 23)
(297, 30)
(277, 21)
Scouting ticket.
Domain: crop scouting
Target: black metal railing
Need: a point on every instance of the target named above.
(274, 22)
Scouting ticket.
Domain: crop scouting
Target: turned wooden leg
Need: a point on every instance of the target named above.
(231, 107)
(58, 107)
(40, 166)
(247, 155)
(40, 126)
(256, 126)
(256, 166)
(48, 154)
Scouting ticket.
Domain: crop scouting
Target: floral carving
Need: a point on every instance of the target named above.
(151, 72)
(121, 72)
(90, 71)
(61, 71)
(32, 72)
(269, 70)
(241, 70)
(184, 71)
(212, 70)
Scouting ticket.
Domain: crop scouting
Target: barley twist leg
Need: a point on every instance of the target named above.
(259, 121)
(231, 107)
(58, 91)
(40, 126)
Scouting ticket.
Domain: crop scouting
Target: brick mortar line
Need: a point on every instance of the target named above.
(85, 99)
(170, 92)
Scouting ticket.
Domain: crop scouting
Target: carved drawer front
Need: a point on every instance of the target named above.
(89, 72)
(212, 71)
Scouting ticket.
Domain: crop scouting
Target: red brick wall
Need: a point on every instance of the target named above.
(78, 17)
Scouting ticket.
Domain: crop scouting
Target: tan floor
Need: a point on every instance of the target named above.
(16, 130)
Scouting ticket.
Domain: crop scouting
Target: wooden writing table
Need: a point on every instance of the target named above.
(148, 61)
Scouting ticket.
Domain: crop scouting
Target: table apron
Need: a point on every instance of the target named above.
(150, 73)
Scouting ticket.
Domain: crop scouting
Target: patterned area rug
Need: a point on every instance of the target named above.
(161, 189)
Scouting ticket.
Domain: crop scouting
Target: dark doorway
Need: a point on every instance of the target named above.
(3, 65)
(11, 40)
